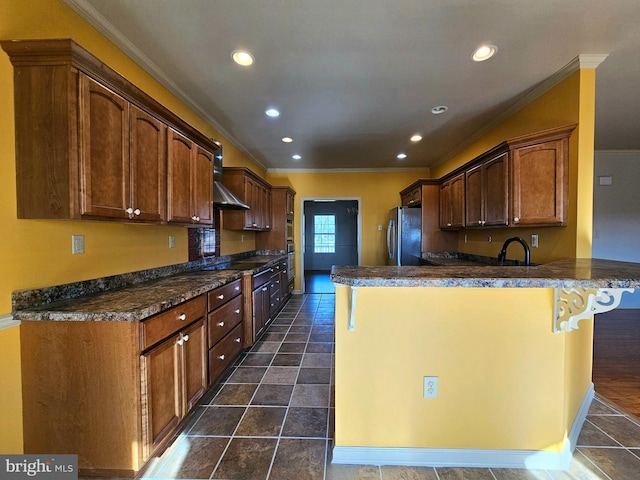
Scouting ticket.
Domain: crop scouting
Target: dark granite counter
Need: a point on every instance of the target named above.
(566, 273)
(137, 301)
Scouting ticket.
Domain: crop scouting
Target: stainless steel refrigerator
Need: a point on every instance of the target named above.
(404, 234)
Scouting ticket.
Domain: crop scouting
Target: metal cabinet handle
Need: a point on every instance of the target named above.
(264, 289)
(183, 316)
(195, 218)
(516, 219)
(238, 340)
(186, 338)
(238, 310)
(221, 324)
(221, 357)
(448, 224)
(238, 288)
(220, 296)
(180, 341)
(136, 211)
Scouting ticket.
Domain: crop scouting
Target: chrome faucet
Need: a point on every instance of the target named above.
(503, 253)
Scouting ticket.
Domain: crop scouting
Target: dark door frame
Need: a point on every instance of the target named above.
(304, 224)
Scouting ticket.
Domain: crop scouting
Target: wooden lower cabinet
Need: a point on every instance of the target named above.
(226, 337)
(112, 392)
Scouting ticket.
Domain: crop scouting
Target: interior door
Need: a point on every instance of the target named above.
(331, 234)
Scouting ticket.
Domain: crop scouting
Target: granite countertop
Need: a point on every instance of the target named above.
(567, 273)
(142, 300)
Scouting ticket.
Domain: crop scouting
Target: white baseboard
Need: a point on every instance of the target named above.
(453, 457)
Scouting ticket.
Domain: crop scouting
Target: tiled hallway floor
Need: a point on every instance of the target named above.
(272, 418)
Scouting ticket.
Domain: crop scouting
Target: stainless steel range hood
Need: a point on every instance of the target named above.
(222, 196)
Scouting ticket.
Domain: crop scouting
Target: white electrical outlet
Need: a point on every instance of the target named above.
(77, 244)
(534, 240)
(172, 241)
(430, 387)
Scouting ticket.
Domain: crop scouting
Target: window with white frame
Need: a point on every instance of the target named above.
(324, 234)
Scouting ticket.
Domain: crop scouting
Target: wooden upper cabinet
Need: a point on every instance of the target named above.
(412, 195)
(486, 193)
(190, 182)
(253, 191)
(277, 237)
(540, 183)
(91, 145)
(452, 202)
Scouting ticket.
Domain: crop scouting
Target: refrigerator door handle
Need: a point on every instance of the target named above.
(390, 248)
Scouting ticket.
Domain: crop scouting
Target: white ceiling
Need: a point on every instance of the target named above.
(354, 79)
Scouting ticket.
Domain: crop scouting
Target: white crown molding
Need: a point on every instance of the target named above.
(582, 61)
(91, 15)
(7, 321)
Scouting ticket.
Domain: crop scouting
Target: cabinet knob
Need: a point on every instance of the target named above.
(264, 289)
(221, 296)
(186, 338)
(238, 310)
(183, 316)
(516, 219)
(221, 324)
(136, 211)
(195, 218)
(221, 357)
(448, 224)
(479, 222)
(180, 341)
(129, 210)
(238, 340)
(255, 224)
(238, 288)
(411, 201)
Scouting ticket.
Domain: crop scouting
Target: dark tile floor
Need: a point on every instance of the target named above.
(272, 418)
(317, 281)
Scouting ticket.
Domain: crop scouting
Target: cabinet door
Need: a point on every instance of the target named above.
(261, 300)
(266, 209)
(540, 184)
(250, 189)
(452, 203)
(496, 191)
(202, 187)
(194, 357)
(160, 392)
(474, 196)
(104, 151)
(148, 166)
(179, 178)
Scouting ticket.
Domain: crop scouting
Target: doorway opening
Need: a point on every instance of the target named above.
(330, 236)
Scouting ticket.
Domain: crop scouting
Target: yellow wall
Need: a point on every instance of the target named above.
(570, 102)
(378, 193)
(501, 370)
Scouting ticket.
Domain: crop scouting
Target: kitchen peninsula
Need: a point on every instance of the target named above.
(510, 348)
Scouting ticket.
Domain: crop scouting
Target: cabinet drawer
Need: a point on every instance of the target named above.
(167, 323)
(223, 294)
(225, 352)
(261, 278)
(222, 320)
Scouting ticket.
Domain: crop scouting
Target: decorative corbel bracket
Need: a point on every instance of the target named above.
(575, 304)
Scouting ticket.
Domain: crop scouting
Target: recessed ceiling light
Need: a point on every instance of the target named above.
(287, 139)
(416, 138)
(485, 52)
(272, 112)
(439, 109)
(242, 57)
(401, 156)
(296, 156)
